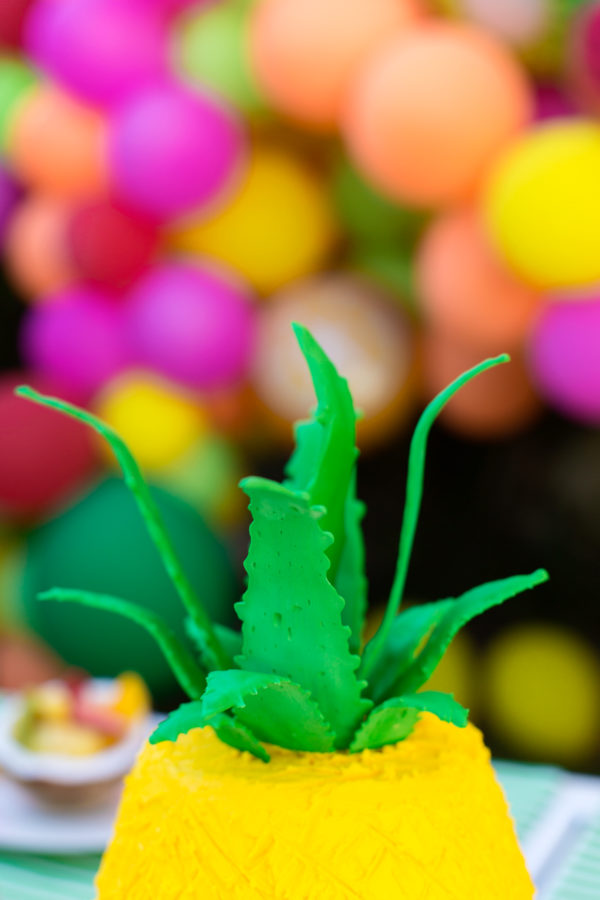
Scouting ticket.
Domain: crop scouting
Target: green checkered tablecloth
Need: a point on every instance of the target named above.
(557, 817)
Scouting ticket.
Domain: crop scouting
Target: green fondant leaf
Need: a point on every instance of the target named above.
(291, 614)
(230, 640)
(351, 580)
(409, 629)
(152, 518)
(386, 724)
(228, 729)
(412, 506)
(324, 459)
(189, 675)
(464, 608)
(442, 705)
(275, 709)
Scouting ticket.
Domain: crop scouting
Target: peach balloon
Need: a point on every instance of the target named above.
(432, 109)
(35, 248)
(497, 403)
(57, 145)
(466, 292)
(305, 52)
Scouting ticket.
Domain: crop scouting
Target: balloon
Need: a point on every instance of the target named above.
(75, 337)
(517, 22)
(551, 103)
(12, 17)
(466, 291)
(16, 81)
(157, 421)
(192, 324)
(211, 49)
(366, 335)
(109, 245)
(564, 356)
(43, 456)
(277, 227)
(306, 53)
(542, 205)
(102, 50)
(494, 405)
(57, 145)
(172, 150)
(583, 57)
(9, 196)
(36, 247)
(431, 110)
(101, 544)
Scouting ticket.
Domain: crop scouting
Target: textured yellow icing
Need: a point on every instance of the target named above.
(421, 820)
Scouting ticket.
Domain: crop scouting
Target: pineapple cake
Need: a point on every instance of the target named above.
(307, 764)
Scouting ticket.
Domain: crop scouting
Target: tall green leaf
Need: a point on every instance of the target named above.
(466, 607)
(351, 580)
(275, 709)
(291, 614)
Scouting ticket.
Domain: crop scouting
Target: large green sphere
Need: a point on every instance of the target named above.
(101, 544)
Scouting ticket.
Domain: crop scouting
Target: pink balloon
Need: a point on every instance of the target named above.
(564, 356)
(100, 49)
(173, 150)
(75, 338)
(192, 324)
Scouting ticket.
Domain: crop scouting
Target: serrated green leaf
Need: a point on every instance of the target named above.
(291, 614)
(408, 631)
(325, 456)
(228, 729)
(442, 705)
(386, 724)
(230, 641)
(274, 708)
(351, 580)
(464, 608)
(189, 675)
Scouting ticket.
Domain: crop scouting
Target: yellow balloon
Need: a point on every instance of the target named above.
(158, 422)
(278, 227)
(542, 205)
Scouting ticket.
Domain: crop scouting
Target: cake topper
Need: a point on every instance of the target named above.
(297, 676)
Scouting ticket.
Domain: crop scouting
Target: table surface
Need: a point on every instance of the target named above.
(557, 816)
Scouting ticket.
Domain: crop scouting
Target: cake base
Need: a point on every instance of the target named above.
(421, 820)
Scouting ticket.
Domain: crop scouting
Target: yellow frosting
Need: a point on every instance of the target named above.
(421, 820)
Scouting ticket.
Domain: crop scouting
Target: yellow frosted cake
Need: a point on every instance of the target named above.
(306, 764)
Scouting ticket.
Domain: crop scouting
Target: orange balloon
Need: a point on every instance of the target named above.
(305, 52)
(365, 333)
(431, 110)
(465, 290)
(57, 145)
(35, 247)
(496, 403)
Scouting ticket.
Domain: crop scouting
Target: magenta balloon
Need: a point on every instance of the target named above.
(192, 324)
(9, 197)
(173, 150)
(75, 338)
(564, 354)
(100, 49)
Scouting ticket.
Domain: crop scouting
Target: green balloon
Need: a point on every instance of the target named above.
(212, 49)
(16, 79)
(101, 544)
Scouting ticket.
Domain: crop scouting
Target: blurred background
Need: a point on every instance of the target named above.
(419, 184)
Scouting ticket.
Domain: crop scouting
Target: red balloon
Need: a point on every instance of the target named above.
(110, 246)
(43, 455)
(12, 18)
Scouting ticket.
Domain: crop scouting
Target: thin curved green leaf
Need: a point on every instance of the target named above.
(351, 580)
(291, 614)
(386, 724)
(325, 456)
(230, 640)
(228, 729)
(189, 675)
(462, 610)
(150, 513)
(275, 709)
(409, 629)
(412, 506)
